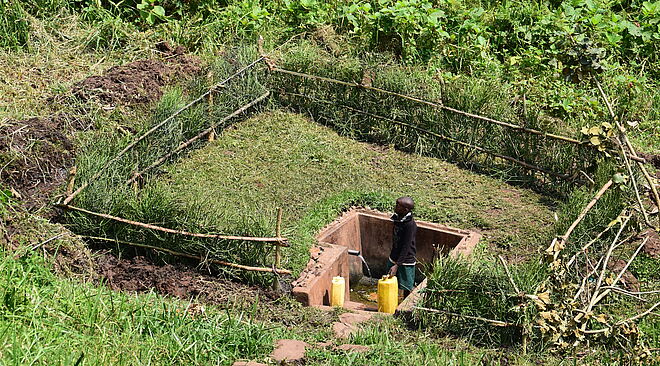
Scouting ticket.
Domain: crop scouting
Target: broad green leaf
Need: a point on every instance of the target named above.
(159, 10)
(619, 178)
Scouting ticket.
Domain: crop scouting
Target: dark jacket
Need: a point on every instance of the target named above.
(404, 247)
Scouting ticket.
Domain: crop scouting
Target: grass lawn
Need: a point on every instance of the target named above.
(280, 159)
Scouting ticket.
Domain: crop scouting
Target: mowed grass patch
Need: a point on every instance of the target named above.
(280, 159)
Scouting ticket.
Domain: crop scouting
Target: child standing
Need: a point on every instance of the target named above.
(402, 258)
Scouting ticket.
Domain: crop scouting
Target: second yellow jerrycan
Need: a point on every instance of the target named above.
(388, 294)
(337, 291)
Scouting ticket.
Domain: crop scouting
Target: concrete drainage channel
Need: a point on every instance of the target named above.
(370, 233)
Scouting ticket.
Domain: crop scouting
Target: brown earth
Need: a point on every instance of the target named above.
(35, 155)
(652, 246)
(628, 280)
(139, 274)
(139, 81)
(653, 159)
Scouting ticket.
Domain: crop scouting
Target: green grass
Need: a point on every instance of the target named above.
(49, 320)
(285, 160)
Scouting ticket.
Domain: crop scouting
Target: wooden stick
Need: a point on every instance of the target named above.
(275, 241)
(185, 144)
(622, 131)
(497, 323)
(594, 297)
(624, 292)
(515, 287)
(450, 139)
(586, 209)
(640, 315)
(634, 184)
(72, 180)
(199, 258)
(440, 106)
(586, 246)
(633, 292)
(278, 233)
(156, 127)
(583, 286)
(46, 241)
(618, 277)
(277, 286)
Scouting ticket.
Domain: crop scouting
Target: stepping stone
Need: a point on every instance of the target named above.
(354, 318)
(343, 330)
(289, 350)
(353, 348)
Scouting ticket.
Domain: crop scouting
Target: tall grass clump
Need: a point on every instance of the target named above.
(106, 31)
(14, 25)
(463, 290)
(147, 200)
(326, 102)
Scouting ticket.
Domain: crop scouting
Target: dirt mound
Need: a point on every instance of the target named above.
(652, 159)
(35, 155)
(139, 81)
(628, 280)
(652, 246)
(139, 275)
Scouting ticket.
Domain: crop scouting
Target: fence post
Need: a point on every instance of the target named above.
(278, 253)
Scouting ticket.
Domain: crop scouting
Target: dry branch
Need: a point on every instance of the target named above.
(590, 243)
(586, 209)
(497, 323)
(199, 258)
(443, 107)
(446, 138)
(209, 130)
(640, 315)
(515, 287)
(618, 277)
(633, 154)
(275, 241)
(595, 298)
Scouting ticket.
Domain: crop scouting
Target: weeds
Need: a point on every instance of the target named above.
(14, 25)
(69, 321)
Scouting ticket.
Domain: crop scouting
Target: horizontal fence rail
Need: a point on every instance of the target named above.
(446, 108)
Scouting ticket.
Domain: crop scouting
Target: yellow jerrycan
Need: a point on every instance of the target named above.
(337, 291)
(388, 294)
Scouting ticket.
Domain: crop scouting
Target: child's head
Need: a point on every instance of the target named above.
(404, 205)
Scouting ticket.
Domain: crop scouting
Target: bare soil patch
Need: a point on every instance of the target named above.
(653, 159)
(628, 279)
(139, 274)
(652, 246)
(140, 81)
(35, 155)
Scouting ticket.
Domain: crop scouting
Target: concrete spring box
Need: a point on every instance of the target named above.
(370, 232)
